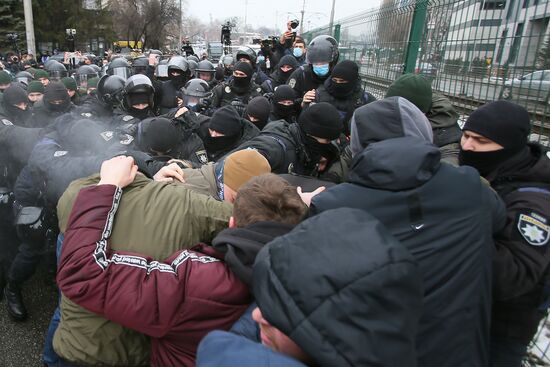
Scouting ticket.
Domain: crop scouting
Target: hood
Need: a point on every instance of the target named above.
(392, 117)
(241, 245)
(367, 294)
(395, 164)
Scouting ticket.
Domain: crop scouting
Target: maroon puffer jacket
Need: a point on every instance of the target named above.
(176, 302)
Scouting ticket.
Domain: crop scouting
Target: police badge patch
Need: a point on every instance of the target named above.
(7, 122)
(128, 140)
(201, 155)
(534, 229)
(86, 114)
(107, 135)
(227, 89)
(292, 82)
(127, 118)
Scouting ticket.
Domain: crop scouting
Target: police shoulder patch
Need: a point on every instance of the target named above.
(128, 139)
(7, 122)
(227, 89)
(202, 156)
(60, 153)
(292, 82)
(107, 135)
(86, 114)
(259, 90)
(127, 118)
(534, 228)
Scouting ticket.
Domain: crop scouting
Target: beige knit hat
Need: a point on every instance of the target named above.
(241, 166)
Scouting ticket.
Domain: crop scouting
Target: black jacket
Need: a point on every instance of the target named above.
(522, 256)
(445, 216)
(343, 299)
(304, 79)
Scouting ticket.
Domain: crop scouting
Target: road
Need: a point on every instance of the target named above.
(21, 343)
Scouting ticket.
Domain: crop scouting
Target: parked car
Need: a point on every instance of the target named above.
(534, 86)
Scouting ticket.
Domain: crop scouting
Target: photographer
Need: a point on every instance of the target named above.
(291, 44)
(13, 64)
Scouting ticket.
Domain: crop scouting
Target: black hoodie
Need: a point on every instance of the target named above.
(445, 216)
(343, 299)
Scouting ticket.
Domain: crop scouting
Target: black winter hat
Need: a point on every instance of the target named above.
(503, 122)
(15, 94)
(321, 120)
(347, 70)
(259, 108)
(158, 134)
(244, 67)
(284, 92)
(288, 60)
(55, 91)
(226, 120)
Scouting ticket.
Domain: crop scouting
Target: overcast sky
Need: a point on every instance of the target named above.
(273, 13)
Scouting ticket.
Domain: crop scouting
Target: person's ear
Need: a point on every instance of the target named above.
(232, 222)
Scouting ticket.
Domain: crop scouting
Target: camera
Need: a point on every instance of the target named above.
(12, 37)
(294, 23)
(269, 42)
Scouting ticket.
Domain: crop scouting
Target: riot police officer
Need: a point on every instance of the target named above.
(321, 57)
(56, 70)
(55, 103)
(246, 54)
(120, 67)
(179, 73)
(238, 91)
(205, 71)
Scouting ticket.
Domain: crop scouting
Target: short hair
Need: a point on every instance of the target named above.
(299, 39)
(268, 197)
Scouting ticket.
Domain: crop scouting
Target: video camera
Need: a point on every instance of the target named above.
(294, 24)
(12, 37)
(270, 42)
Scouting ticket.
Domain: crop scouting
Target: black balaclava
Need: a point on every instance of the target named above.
(241, 84)
(284, 93)
(286, 60)
(321, 120)
(12, 96)
(56, 91)
(503, 122)
(347, 70)
(138, 98)
(225, 120)
(157, 135)
(180, 80)
(259, 108)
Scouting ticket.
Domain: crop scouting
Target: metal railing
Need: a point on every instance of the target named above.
(473, 51)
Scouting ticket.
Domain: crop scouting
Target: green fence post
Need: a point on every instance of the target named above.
(415, 35)
(337, 32)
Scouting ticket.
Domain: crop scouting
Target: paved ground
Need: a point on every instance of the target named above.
(21, 343)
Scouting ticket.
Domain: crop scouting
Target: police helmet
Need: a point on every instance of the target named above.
(195, 92)
(56, 70)
(83, 74)
(110, 89)
(138, 84)
(246, 52)
(205, 66)
(193, 58)
(120, 67)
(178, 63)
(192, 66)
(322, 49)
(24, 77)
(139, 65)
(96, 68)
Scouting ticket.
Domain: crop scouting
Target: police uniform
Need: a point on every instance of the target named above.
(304, 79)
(226, 94)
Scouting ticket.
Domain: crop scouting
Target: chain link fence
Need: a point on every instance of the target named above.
(473, 51)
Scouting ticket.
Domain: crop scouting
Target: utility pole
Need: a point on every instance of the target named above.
(29, 27)
(331, 23)
(302, 20)
(245, 15)
(179, 33)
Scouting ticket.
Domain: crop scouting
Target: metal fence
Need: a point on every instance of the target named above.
(473, 51)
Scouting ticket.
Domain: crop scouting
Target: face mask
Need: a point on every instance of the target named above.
(484, 162)
(339, 90)
(58, 107)
(241, 82)
(220, 143)
(321, 70)
(139, 114)
(297, 52)
(282, 110)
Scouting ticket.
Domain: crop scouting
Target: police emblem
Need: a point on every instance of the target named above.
(127, 118)
(86, 114)
(107, 135)
(7, 122)
(201, 155)
(128, 140)
(60, 153)
(227, 89)
(534, 229)
(292, 82)
(258, 90)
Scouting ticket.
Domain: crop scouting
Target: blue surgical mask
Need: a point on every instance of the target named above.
(261, 58)
(297, 52)
(321, 70)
